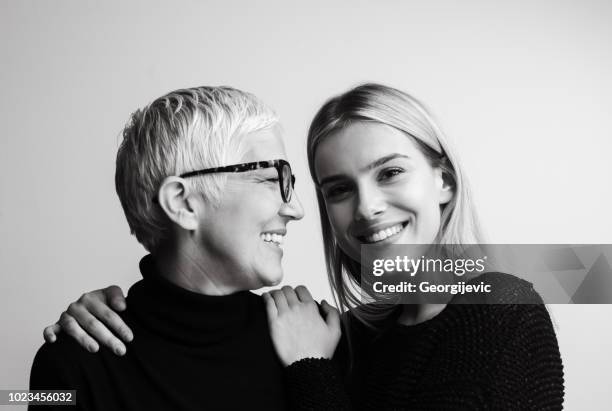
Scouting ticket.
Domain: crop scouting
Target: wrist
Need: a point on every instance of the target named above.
(305, 356)
(308, 360)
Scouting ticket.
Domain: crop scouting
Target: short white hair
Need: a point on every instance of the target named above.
(185, 130)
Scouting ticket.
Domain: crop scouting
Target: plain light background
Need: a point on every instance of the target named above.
(523, 88)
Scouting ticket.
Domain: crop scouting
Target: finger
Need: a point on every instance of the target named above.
(115, 298)
(303, 294)
(280, 300)
(332, 316)
(71, 327)
(95, 302)
(112, 320)
(290, 295)
(50, 333)
(270, 306)
(96, 329)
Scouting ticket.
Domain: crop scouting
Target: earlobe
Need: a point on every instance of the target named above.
(176, 202)
(446, 187)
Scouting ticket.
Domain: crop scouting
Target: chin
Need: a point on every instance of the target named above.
(271, 279)
(275, 282)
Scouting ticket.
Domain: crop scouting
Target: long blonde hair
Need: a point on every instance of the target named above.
(385, 105)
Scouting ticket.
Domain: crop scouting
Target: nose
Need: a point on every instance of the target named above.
(370, 204)
(293, 209)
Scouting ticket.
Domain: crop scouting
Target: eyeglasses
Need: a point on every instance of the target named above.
(286, 180)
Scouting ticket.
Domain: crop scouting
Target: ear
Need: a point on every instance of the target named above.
(180, 207)
(446, 187)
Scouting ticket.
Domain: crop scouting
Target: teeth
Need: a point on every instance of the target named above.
(383, 234)
(272, 238)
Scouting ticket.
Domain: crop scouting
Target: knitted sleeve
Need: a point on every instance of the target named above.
(529, 374)
(315, 384)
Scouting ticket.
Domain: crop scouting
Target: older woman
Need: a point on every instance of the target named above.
(385, 175)
(201, 336)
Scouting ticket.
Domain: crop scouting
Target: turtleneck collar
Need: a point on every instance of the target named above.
(185, 316)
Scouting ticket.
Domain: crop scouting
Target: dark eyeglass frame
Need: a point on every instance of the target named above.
(278, 164)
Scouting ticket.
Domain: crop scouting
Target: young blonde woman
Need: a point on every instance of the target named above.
(385, 175)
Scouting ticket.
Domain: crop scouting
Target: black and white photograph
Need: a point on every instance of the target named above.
(341, 205)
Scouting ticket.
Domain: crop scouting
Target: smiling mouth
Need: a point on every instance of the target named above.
(383, 234)
(272, 238)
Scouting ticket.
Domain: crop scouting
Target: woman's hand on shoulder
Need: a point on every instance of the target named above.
(92, 319)
(298, 329)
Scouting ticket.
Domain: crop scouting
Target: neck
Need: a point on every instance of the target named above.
(188, 269)
(413, 314)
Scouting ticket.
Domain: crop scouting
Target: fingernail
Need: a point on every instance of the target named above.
(119, 351)
(92, 348)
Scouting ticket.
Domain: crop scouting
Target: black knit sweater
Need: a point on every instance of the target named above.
(497, 357)
(190, 352)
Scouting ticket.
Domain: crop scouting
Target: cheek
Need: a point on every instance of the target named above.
(248, 214)
(339, 217)
(427, 214)
(233, 228)
(420, 198)
(419, 194)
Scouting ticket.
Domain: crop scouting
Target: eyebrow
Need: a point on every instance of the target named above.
(376, 163)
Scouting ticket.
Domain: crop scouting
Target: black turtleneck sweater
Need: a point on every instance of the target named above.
(190, 352)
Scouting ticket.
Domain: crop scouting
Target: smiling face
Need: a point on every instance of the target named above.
(379, 188)
(242, 235)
